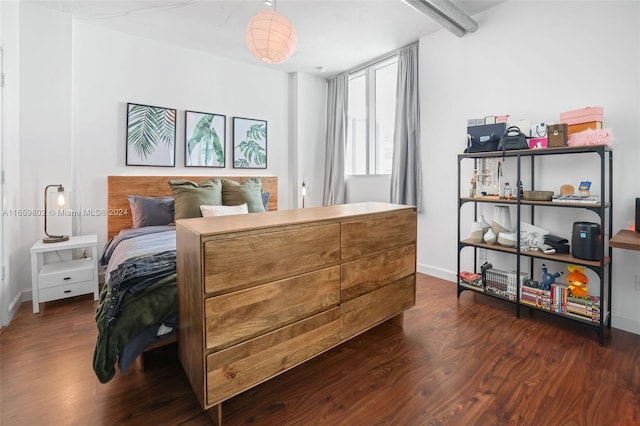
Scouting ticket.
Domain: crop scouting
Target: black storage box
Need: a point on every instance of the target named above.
(586, 242)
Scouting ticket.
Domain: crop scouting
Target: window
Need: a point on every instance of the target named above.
(371, 115)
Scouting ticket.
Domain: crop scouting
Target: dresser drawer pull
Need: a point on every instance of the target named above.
(67, 291)
(66, 278)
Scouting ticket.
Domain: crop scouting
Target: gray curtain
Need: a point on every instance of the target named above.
(406, 171)
(334, 185)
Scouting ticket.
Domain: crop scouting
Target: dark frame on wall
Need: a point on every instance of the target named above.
(204, 139)
(151, 136)
(249, 143)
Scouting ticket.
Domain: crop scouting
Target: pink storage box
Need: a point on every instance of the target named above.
(584, 115)
(536, 143)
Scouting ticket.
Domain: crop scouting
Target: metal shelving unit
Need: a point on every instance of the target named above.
(602, 266)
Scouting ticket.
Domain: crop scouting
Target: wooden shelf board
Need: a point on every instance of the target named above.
(626, 239)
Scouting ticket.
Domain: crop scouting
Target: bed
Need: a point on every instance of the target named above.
(137, 309)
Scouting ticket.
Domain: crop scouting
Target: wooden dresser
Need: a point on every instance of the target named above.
(264, 292)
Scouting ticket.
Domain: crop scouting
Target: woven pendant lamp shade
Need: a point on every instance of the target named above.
(270, 37)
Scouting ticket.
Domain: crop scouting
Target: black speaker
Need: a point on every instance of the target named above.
(637, 214)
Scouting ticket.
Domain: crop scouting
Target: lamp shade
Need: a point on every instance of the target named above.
(271, 37)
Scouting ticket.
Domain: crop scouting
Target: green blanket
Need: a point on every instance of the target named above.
(153, 305)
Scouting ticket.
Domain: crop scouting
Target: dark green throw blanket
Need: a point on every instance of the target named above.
(151, 305)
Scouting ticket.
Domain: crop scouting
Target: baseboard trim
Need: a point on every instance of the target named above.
(626, 324)
(433, 271)
(15, 305)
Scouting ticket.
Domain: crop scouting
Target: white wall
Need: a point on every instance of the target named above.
(532, 60)
(309, 137)
(112, 69)
(11, 287)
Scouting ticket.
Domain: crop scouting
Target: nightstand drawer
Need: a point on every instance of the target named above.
(63, 273)
(63, 291)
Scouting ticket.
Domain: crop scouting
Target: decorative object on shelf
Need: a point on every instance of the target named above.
(531, 236)
(271, 37)
(567, 189)
(151, 136)
(501, 219)
(548, 278)
(474, 185)
(490, 237)
(538, 195)
(249, 143)
(512, 139)
(476, 231)
(507, 239)
(485, 225)
(584, 188)
(205, 139)
(590, 137)
(61, 202)
(557, 135)
(577, 281)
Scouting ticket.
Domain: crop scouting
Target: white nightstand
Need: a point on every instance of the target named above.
(67, 278)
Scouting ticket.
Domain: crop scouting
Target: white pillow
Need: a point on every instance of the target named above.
(209, 211)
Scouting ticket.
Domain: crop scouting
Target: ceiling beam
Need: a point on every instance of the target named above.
(446, 14)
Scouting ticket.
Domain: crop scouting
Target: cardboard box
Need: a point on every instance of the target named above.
(584, 115)
(576, 128)
(557, 134)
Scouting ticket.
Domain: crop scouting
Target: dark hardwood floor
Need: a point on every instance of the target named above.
(458, 362)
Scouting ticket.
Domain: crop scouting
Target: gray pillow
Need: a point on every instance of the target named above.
(249, 191)
(151, 211)
(189, 196)
(265, 200)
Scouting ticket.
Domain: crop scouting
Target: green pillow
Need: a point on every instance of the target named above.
(249, 191)
(189, 196)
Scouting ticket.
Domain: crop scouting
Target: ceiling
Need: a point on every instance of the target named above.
(333, 35)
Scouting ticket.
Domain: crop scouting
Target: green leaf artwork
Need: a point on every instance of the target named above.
(250, 143)
(204, 136)
(151, 135)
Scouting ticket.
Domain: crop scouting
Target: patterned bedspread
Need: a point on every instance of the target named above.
(139, 291)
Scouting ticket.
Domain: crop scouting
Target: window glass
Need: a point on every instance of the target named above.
(356, 155)
(385, 116)
(371, 119)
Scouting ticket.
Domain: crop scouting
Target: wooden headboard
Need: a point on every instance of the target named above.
(119, 187)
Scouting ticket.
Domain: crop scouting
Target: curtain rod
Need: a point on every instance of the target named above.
(372, 61)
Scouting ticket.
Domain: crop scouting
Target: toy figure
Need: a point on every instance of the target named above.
(548, 278)
(578, 281)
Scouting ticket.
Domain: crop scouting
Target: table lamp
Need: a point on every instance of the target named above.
(61, 201)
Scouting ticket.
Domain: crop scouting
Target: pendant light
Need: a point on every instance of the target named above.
(271, 37)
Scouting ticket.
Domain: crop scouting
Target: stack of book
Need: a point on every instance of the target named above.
(588, 309)
(503, 283)
(471, 279)
(589, 199)
(559, 300)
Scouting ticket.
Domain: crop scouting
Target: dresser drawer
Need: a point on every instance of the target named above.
(249, 260)
(270, 306)
(64, 291)
(368, 310)
(367, 236)
(235, 369)
(372, 272)
(62, 273)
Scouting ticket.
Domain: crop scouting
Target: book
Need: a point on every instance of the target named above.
(590, 199)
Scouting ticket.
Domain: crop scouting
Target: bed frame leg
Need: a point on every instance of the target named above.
(398, 320)
(215, 414)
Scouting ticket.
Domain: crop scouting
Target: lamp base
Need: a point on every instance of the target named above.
(56, 239)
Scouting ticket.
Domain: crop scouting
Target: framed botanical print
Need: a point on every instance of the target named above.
(204, 139)
(151, 136)
(249, 143)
